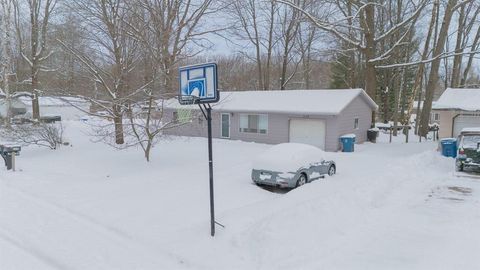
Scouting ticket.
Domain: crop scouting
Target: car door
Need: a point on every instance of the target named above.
(316, 169)
(324, 167)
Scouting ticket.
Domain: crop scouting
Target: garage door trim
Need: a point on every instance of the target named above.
(459, 115)
(322, 141)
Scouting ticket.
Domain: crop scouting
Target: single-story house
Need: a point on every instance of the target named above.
(316, 117)
(69, 108)
(457, 109)
(17, 107)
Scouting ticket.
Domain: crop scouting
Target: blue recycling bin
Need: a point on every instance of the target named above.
(348, 143)
(449, 147)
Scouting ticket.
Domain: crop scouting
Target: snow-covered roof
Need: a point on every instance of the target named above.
(415, 104)
(459, 99)
(316, 102)
(55, 101)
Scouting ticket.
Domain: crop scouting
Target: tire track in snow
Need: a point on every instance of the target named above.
(62, 233)
(36, 253)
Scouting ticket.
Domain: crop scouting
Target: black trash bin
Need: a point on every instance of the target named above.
(372, 135)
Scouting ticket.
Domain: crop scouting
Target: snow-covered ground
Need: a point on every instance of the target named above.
(88, 206)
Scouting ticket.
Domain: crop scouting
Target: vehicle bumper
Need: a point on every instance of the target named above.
(277, 179)
(468, 165)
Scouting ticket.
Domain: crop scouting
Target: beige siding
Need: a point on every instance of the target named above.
(446, 118)
(446, 121)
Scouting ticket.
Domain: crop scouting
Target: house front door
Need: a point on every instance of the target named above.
(225, 125)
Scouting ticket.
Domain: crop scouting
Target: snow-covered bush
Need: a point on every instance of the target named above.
(43, 134)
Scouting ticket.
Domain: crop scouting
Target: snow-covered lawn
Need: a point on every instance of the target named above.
(88, 206)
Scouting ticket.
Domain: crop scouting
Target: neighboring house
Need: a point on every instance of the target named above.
(316, 117)
(69, 108)
(434, 116)
(17, 107)
(457, 109)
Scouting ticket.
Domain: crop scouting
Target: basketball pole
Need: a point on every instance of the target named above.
(203, 78)
(207, 113)
(208, 108)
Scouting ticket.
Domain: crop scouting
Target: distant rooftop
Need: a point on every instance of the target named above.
(54, 100)
(459, 99)
(320, 102)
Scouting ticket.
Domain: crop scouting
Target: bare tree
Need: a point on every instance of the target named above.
(289, 21)
(166, 29)
(474, 48)
(438, 49)
(361, 32)
(6, 57)
(306, 38)
(254, 23)
(8, 70)
(40, 12)
(417, 86)
(108, 24)
(467, 19)
(147, 122)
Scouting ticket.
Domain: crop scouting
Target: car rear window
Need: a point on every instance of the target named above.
(471, 141)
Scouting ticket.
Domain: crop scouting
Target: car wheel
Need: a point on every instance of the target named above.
(302, 180)
(459, 168)
(331, 170)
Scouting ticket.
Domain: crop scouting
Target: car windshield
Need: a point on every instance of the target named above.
(471, 141)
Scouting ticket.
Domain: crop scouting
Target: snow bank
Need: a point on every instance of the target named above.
(88, 206)
(288, 157)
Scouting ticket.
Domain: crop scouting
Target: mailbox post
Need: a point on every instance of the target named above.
(8, 153)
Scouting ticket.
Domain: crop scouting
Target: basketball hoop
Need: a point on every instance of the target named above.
(188, 99)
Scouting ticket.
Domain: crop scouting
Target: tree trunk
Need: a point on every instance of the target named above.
(35, 103)
(417, 85)
(148, 148)
(457, 60)
(470, 59)
(397, 94)
(34, 43)
(118, 123)
(6, 66)
(267, 70)
(370, 70)
(433, 77)
(283, 75)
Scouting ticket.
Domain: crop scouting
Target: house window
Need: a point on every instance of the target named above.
(355, 123)
(254, 123)
(436, 117)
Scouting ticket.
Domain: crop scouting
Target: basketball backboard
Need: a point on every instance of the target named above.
(198, 84)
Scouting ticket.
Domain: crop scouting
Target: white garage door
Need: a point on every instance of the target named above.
(308, 131)
(465, 121)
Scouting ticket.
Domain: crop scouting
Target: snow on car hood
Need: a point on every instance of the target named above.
(288, 157)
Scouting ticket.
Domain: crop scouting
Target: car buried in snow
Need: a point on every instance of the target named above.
(289, 165)
(468, 156)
